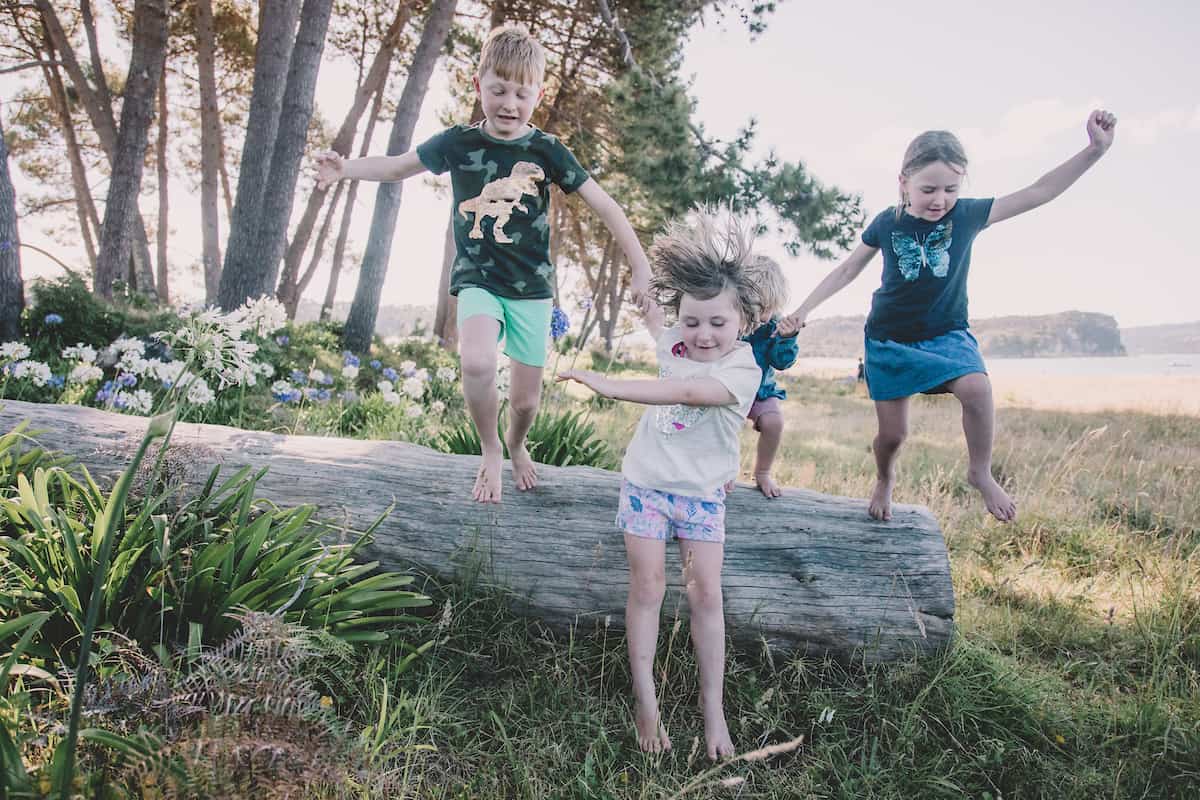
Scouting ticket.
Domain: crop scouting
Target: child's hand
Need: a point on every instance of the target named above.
(590, 379)
(330, 168)
(639, 290)
(791, 324)
(1101, 128)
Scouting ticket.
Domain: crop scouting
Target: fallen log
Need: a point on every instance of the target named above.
(805, 572)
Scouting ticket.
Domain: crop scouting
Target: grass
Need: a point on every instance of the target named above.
(1075, 674)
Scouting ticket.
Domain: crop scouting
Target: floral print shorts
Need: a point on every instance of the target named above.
(652, 514)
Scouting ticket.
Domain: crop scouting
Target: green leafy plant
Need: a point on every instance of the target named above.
(558, 438)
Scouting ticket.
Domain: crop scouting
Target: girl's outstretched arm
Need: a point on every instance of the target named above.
(1101, 127)
(833, 283)
(654, 391)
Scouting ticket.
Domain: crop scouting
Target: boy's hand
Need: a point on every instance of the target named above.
(330, 168)
(1101, 128)
(590, 379)
(791, 324)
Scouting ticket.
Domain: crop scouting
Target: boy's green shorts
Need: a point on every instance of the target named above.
(524, 324)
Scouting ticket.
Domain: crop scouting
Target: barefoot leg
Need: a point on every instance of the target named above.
(893, 427)
(647, 585)
(770, 434)
(524, 394)
(477, 346)
(702, 577)
(974, 391)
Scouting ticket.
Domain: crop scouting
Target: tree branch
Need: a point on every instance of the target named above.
(30, 65)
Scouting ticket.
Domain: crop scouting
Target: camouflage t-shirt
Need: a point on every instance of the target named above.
(501, 199)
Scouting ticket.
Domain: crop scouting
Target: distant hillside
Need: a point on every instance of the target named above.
(1070, 333)
(1182, 338)
(392, 321)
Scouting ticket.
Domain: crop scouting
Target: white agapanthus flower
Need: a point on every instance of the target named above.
(85, 373)
(446, 374)
(385, 386)
(413, 411)
(422, 374)
(349, 372)
(133, 363)
(140, 401)
(80, 352)
(414, 387)
(263, 316)
(199, 394)
(316, 376)
(437, 407)
(391, 398)
(34, 371)
(408, 367)
(168, 372)
(128, 344)
(14, 351)
(265, 368)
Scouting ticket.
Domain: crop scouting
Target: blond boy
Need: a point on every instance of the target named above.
(500, 173)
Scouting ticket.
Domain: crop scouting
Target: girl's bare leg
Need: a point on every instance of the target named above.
(893, 428)
(974, 391)
(647, 585)
(702, 577)
(770, 434)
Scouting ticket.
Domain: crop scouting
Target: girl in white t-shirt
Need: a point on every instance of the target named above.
(685, 449)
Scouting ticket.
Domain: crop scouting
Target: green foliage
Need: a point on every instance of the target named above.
(560, 438)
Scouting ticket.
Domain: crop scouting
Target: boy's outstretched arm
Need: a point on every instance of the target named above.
(834, 282)
(654, 391)
(1101, 127)
(607, 209)
(331, 168)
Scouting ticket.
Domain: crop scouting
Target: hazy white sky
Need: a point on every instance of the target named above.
(844, 86)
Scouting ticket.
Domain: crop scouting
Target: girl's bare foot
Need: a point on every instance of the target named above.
(488, 481)
(998, 503)
(767, 484)
(716, 734)
(524, 470)
(880, 507)
(729, 485)
(651, 733)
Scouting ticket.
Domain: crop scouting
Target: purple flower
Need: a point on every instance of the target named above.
(324, 395)
(57, 381)
(558, 323)
(127, 379)
(326, 379)
(106, 392)
(282, 340)
(376, 363)
(299, 377)
(53, 319)
(349, 359)
(391, 374)
(349, 396)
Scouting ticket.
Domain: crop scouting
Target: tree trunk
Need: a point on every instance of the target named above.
(370, 86)
(210, 149)
(289, 147)
(85, 205)
(445, 320)
(339, 247)
(273, 52)
(164, 176)
(137, 109)
(294, 292)
(805, 572)
(360, 325)
(12, 288)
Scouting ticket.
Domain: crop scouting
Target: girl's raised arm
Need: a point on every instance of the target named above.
(654, 318)
(1101, 127)
(834, 282)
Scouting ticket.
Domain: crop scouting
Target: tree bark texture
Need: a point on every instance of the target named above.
(360, 325)
(117, 236)
(210, 149)
(85, 205)
(805, 572)
(12, 288)
(273, 53)
(164, 177)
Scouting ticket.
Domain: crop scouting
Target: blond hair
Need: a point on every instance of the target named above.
(704, 254)
(929, 148)
(771, 285)
(512, 53)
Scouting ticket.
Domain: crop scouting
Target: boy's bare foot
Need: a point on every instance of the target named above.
(880, 507)
(998, 503)
(524, 470)
(767, 484)
(488, 483)
(716, 734)
(729, 485)
(651, 733)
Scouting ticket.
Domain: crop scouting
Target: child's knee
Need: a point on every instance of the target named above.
(478, 365)
(524, 403)
(974, 392)
(704, 595)
(891, 438)
(771, 424)
(647, 587)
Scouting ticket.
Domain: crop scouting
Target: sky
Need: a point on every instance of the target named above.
(843, 87)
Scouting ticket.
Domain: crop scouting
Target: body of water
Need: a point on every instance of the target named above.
(1158, 364)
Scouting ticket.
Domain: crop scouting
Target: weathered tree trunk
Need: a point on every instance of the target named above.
(291, 300)
(273, 52)
(445, 319)
(339, 247)
(137, 109)
(210, 149)
(290, 288)
(806, 572)
(85, 205)
(12, 288)
(289, 147)
(164, 176)
(360, 324)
